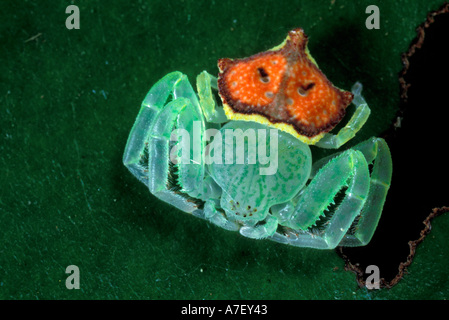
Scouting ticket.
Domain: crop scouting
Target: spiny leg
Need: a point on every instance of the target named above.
(168, 180)
(349, 169)
(148, 150)
(358, 119)
(374, 149)
(377, 153)
(175, 84)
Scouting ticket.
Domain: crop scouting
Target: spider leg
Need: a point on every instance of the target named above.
(358, 119)
(311, 226)
(374, 149)
(153, 103)
(262, 229)
(212, 112)
(175, 175)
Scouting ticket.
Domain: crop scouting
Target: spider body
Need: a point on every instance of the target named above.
(247, 166)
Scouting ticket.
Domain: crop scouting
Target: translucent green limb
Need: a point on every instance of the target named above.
(212, 112)
(316, 229)
(255, 230)
(358, 119)
(170, 176)
(376, 152)
(214, 214)
(374, 149)
(262, 229)
(174, 83)
(164, 177)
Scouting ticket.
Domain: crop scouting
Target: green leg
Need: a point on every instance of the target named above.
(160, 180)
(218, 217)
(375, 149)
(255, 230)
(175, 84)
(261, 230)
(147, 153)
(212, 112)
(349, 169)
(358, 119)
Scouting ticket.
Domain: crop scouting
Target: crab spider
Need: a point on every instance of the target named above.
(335, 201)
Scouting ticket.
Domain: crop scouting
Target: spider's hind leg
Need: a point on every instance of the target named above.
(358, 119)
(212, 112)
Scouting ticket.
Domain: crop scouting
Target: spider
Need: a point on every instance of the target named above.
(211, 160)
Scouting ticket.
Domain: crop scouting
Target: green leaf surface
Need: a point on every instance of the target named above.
(68, 99)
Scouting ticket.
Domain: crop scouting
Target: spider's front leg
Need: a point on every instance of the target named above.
(349, 171)
(353, 221)
(376, 152)
(162, 151)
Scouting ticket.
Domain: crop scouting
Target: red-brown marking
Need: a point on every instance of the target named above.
(284, 86)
